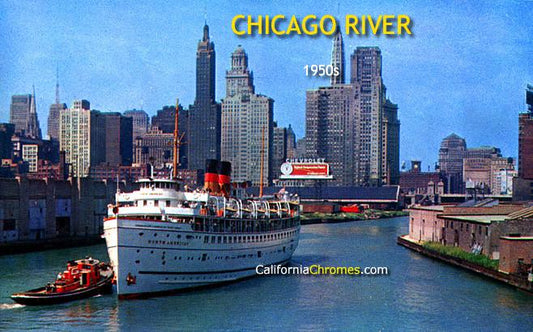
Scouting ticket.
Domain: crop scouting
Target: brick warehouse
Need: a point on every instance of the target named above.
(516, 254)
(470, 228)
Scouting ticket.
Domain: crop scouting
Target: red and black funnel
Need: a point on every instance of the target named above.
(224, 177)
(211, 175)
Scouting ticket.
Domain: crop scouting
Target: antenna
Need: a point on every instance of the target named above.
(32, 107)
(57, 85)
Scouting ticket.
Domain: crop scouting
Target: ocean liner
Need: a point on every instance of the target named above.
(165, 237)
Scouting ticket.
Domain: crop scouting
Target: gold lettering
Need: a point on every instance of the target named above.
(375, 27)
(351, 23)
(403, 23)
(314, 28)
(323, 25)
(274, 27)
(293, 26)
(234, 25)
(258, 24)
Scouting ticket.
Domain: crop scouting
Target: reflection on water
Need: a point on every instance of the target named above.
(4, 306)
(419, 294)
(511, 300)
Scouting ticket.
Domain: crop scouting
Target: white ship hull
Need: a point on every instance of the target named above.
(155, 257)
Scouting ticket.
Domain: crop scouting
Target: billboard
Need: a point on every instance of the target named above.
(308, 169)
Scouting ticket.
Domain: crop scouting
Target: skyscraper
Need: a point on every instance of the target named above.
(337, 58)
(354, 126)
(301, 148)
(118, 141)
(204, 120)
(391, 143)
(82, 137)
(141, 121)
(54, 118)
(23, 114)
(34, 130)
(54, 115)
(366, 72)
(6, 147)
(19, 112)
(164, 120)
(451, 154)
(525, 138)
(154, 147)
(291, 143)
(523, 184)
(279, 149)
(247, 124)
(331, 131)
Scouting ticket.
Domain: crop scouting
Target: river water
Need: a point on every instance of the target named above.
(418, 294)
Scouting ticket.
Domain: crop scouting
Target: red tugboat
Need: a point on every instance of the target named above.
(83, 278)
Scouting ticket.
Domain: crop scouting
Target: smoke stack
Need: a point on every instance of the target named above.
(211, 175)
(224, 177)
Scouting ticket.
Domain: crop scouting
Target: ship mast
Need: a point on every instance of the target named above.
(176, 139)
(262, 162)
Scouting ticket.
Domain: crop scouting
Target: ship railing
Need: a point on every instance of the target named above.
(256, 209)
(267, 209)
(217, 204)
(233, 208)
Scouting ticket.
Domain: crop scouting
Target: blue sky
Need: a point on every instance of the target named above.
(464, 70)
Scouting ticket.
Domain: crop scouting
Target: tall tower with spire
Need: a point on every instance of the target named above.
(337, 58)
(54, 115)
(247, 124)
(204, 116)
(353, 125)
(34, 129)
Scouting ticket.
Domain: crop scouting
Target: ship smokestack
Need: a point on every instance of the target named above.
(224, 178)
(211, 175)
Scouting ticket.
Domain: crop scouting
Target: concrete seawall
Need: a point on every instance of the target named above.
(37, 214)
(21, 247)
(512, 280)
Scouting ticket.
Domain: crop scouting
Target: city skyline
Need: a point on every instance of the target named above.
(464, 69)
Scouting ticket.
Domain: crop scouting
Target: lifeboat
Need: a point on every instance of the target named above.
(83, 278)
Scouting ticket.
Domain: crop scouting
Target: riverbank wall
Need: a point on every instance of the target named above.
(331, 218)
(21, 247)
(517, 281)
